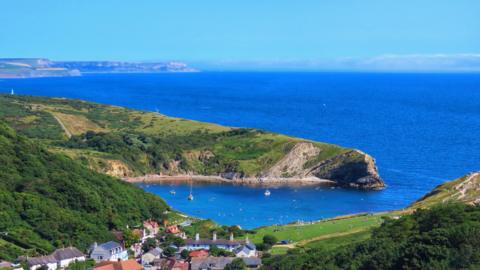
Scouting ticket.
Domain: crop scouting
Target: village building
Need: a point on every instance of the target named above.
(151, 228)
(173, 229)
(109, 251)
(252, 263)
(218, 263)
(37, 262)
(247, 250)
(59, 259)
(170, 264)
(197, 243)
(151, 255)
(5, 265)
(118, 265)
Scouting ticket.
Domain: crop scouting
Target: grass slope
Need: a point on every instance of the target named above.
(145, 142)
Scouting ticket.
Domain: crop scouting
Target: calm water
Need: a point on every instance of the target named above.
(422, 129)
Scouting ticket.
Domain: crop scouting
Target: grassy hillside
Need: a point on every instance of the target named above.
(464, 189)
(48, 200)
(442, 237)
(124, 142)
(359, 234)
(329, 234)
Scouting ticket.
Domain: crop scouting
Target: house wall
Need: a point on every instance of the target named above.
(67, 262)
(51, 266)
(243, 254)
(100, 255)
(207, 247)
(148, 258)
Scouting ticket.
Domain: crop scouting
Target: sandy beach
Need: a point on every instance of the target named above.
(250, 181)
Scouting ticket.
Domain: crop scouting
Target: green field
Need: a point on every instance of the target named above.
(302, 235)
(144, 142)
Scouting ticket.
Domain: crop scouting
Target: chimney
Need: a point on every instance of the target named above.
(214, 236)
(247, 241)
(197, 237)
(95, 245)
(231, 236)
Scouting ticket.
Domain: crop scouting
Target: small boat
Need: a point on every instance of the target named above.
(12, 92)
(172, 192)
(190, 196)
(267, 192)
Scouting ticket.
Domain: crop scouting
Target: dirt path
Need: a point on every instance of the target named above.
(331, 235)
(465, 185)
(69, 135)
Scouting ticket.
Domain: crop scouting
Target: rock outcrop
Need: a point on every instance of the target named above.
(353, 168)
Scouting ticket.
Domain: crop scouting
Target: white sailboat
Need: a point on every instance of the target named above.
(11, 92)
(190, 196)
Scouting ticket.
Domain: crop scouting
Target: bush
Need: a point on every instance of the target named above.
(270, 240)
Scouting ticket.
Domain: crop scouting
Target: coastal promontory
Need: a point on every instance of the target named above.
(145, 146)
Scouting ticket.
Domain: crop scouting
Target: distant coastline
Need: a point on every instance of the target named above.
(18, 68)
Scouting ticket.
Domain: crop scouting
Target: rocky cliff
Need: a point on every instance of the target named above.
(350, 169)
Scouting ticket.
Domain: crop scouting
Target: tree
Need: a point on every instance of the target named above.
(130, 238)
(270, 240)
(184, 254)
(218, 252)
(169, 252)
(237, 264)
(149, 244)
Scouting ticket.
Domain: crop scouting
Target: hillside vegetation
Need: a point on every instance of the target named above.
(48, 200)
(126, 143)
(442, 237)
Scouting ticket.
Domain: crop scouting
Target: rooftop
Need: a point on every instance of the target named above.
(120, 265)
(110, 245)
(67, 253)
(213, 242)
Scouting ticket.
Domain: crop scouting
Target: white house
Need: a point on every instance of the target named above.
(109, 251)
(247, 250)
(150, 256)
(198, 243)
(37, 262)
(66, 256)
(60, 258)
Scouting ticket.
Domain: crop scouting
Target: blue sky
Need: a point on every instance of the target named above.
(243, 33)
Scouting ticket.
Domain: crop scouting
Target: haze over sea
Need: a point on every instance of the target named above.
(422, 129)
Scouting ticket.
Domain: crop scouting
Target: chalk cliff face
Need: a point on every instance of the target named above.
(353, 168)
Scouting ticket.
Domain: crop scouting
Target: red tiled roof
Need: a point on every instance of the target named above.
(121, 265)
(172, 229)
(150, 223)
(198, 253)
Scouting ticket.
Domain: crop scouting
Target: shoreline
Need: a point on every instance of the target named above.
(249, 181)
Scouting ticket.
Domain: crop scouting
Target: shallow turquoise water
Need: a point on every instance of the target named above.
(422, 129)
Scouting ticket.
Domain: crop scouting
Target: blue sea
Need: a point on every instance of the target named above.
(422, 129)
